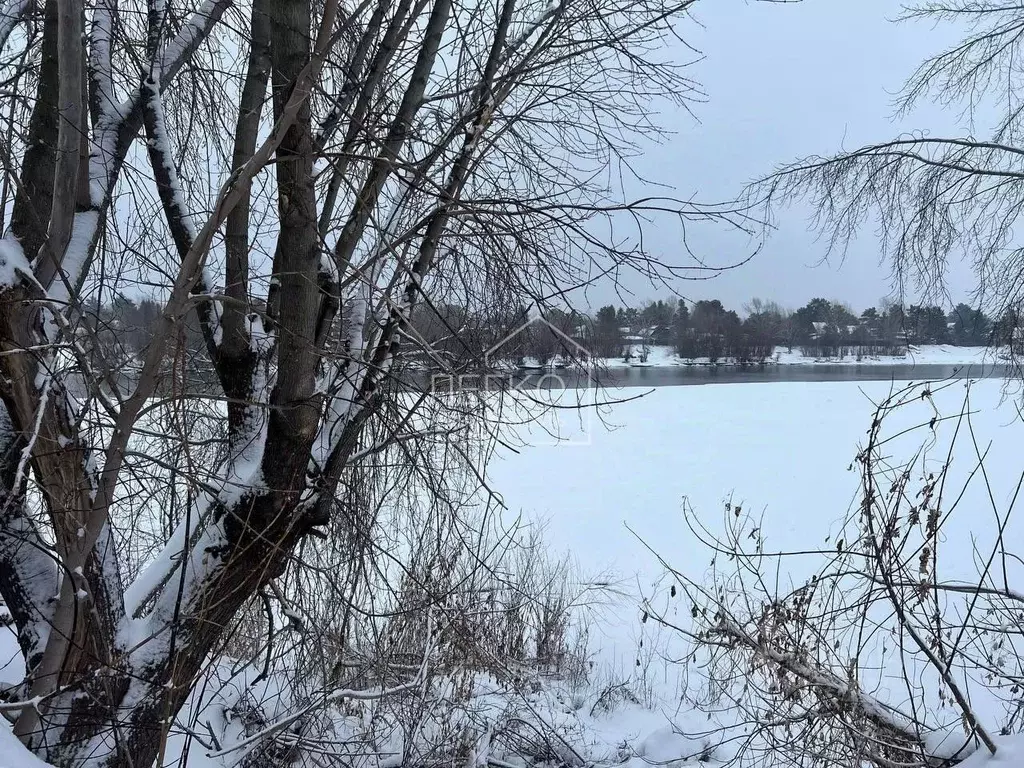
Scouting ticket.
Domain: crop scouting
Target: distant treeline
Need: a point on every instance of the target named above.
(452, 336)
(823, 328)
(707, 329)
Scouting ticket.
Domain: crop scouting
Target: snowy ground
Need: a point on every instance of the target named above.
(940, 354)
(934, 354)
(615, 492)
(785, 450)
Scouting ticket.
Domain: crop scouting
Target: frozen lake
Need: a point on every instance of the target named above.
(611, 496)
(684, 375)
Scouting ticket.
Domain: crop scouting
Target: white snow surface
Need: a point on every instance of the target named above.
(780, 449)
(1009, 752)
(613, 492)
(612, 499)
(930, 354)
(14, 755)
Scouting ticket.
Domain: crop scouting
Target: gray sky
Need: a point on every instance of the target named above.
(785, 81)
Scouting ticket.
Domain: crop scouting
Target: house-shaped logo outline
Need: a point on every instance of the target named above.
(582, 352)
(590, 382)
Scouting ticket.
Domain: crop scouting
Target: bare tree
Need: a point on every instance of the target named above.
(292, 179)
(937, 199)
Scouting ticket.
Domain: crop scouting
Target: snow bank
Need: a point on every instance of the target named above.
(1009, 752)
(14, 755)
(934, 354)
(940, 354)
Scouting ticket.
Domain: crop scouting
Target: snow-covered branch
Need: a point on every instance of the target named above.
(191, 35)
(157, 17)
(49, 262)
(28, 569)
(895, 728)
(339, 694)
(547, 13)
(154, 577)
(246, 447)
(14, 267)
(342, 388)
(331, 698)
(84, 232)
(179, 220)
(100, 61)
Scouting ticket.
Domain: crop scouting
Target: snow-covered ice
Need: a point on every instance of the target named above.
(783, 450)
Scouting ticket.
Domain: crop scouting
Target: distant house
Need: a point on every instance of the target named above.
(659, 335)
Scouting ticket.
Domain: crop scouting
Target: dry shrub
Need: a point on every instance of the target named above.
(890, 651)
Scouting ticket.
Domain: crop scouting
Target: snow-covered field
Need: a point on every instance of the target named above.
(936, 354)
(615, 497)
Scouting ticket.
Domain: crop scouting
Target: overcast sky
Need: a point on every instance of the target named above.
(785, 81)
